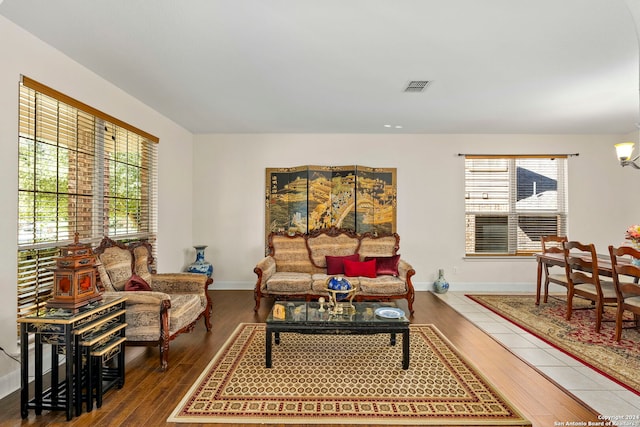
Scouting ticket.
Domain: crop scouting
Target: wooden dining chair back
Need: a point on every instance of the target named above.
(625, 280)
(553, 274)
(581, 263)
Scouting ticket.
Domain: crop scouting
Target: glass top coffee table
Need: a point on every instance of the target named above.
(362, 318)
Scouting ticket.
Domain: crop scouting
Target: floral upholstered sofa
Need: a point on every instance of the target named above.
(298, 266)
(159, 306)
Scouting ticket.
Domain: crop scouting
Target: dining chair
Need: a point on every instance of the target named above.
(625, 279)
(581, 263)
(553, 245)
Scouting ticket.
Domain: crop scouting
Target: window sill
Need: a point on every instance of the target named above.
(501, 258)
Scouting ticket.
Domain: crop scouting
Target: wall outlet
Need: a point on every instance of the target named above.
(455, 269)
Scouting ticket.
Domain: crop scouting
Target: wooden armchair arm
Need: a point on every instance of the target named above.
(265, 268)
(142, 297)
(405, 269)
(183, 283)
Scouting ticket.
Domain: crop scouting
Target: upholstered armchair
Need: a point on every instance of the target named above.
(170, 304)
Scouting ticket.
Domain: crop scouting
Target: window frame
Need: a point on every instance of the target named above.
(68, 152)
(503, 191)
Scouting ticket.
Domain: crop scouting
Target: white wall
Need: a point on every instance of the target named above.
(229, 179)
(22, 53)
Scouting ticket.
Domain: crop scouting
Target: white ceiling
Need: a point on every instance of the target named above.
(340, 66)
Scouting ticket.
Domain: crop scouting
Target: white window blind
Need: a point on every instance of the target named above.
(512, 201)
(80, 171)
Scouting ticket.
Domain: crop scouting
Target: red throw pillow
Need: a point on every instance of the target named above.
(335, 264)
(136, 283)
(357, 268)
(386, 265)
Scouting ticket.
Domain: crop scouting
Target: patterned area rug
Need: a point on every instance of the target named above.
(576, 337)
(346, 379)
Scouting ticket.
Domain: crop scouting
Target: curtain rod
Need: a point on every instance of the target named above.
(520, 155)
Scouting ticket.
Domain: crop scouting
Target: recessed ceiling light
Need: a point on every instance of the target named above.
(387, 126)
(398, 126)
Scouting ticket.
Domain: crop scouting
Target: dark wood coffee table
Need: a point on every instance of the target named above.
(305, 318)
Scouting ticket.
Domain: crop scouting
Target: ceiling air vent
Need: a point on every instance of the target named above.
(417, 86)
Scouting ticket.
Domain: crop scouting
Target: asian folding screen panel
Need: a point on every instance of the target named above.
(307, 198)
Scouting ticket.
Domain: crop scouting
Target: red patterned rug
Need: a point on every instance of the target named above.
(346, 379)
(576, 337)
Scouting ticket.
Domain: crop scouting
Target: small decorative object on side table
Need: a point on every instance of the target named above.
(74, 278)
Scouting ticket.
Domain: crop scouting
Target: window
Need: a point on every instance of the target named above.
(512, 201)
(80, 171)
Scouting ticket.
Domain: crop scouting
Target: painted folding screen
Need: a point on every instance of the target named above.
(308, 198)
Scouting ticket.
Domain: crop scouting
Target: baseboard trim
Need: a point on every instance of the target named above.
(9, 383)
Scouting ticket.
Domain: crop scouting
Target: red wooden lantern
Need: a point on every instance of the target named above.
(74, 277)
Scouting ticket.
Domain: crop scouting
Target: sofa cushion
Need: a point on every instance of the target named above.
(335, 264)
(378, 246)
(319, 283)
(291, 282)
(322, 245)
(382, 285)
(105, 280)
(386, 264)
(185, 308)
(291, 254)
(117, 264)
(360, 268)
(141, 263)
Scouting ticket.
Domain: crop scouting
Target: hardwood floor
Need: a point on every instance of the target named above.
(149, 395)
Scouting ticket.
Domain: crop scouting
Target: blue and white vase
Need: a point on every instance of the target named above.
(200, 265)
(440, 286)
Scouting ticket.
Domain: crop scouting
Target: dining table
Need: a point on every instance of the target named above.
(550, 259)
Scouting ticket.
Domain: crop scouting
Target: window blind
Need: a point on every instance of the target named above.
(512, 201)
(80, 171)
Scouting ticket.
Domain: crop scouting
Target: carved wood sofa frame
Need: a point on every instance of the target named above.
(268, 266)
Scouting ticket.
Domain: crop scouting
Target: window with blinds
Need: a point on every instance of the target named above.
(80, 171)
(512, 201)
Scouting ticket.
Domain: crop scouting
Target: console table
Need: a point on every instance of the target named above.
(75, 336)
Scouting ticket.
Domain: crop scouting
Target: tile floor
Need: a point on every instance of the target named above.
(602, 394)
